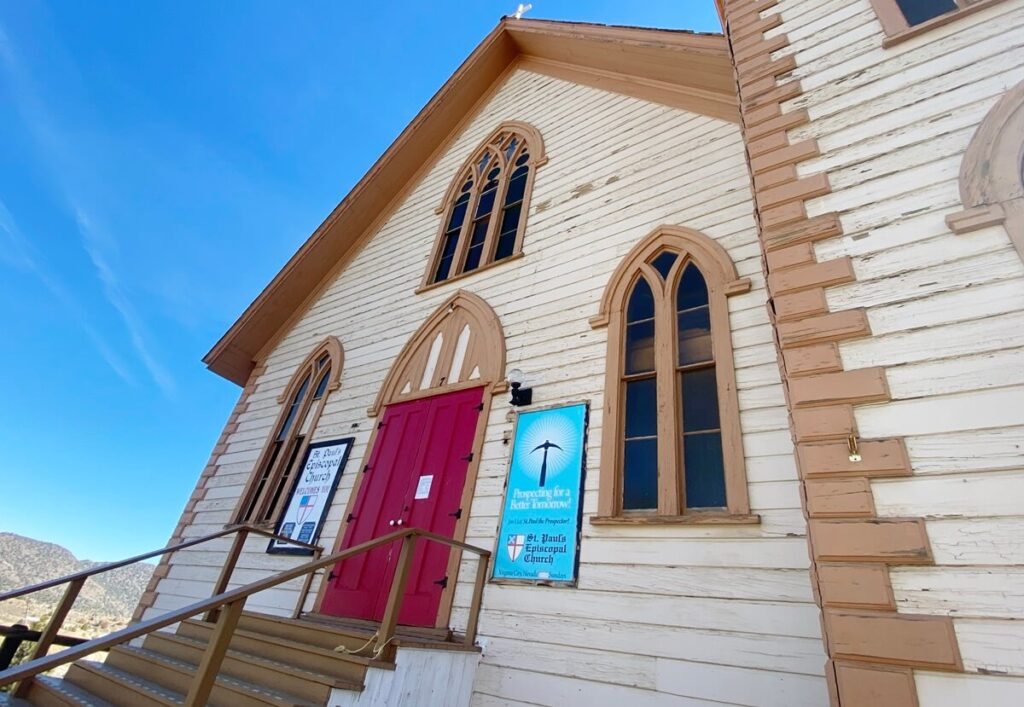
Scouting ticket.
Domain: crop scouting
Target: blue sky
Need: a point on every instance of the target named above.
(159, 162)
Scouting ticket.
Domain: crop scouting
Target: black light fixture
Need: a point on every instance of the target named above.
(520, 395)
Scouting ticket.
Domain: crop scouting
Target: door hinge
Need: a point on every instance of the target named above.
(443, 582)
(380, 424)
(468, 457)
(366, 468)
(351, 517)
(480, 407)
(457, 514)
(331, 576)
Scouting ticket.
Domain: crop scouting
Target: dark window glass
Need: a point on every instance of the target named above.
(322, 385)
(511, 148)
(695, 336)
(641, 408)
(705, 470)
(282, 483)
(693, 291)
(509, 229)
(481, 219)
(517, 186)
(663, 263)
(918, 11)
(296, 402)
(640, 347)
(523, 158)
(451, 237)
(258, 491)
(700, 400)
(640, 475)
(641, 302)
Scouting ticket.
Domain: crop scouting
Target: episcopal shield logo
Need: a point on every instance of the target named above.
(306, 505)
(515, 546)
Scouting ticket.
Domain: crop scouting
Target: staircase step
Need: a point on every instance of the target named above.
(329, 637)
(54, 692)
(119, 687)
(177, 675)
(289, 679)
(299, 654)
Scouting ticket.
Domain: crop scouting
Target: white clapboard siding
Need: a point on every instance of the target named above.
(892, 125)
(737, 596)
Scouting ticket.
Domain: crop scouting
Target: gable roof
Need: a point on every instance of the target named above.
(679, 68)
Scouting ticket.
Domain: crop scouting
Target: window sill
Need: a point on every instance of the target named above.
(461, 275)
(690, 519)
(939, 21)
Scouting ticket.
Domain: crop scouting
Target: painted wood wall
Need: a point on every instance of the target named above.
(946, 311)
(662, 615)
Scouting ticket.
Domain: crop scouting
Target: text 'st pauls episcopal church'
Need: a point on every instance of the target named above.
(672, 369)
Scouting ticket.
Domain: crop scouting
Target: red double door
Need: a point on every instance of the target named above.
(414, 479)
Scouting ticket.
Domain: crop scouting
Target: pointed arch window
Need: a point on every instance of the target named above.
(671, 449)
(484, 210)
(302, 403)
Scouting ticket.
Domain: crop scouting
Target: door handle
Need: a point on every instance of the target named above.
(393, 523)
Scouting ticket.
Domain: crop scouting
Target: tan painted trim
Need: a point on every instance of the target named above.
(895, 26)
(485, 351)
(722, 281)
(331, 347)
(667, 94)
(991, 183)
(528, 140)
(850, 546)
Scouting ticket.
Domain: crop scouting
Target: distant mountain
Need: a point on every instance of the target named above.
(107, 600)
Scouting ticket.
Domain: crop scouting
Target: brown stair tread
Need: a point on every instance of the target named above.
(268, 663)
(299, 646)
(131, 682)
(233, 684)
(68, 691)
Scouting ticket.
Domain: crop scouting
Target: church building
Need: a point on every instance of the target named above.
(683, 368)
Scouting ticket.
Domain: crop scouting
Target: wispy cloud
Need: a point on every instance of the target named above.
(94, 240)
(18, 252)
(99, 245)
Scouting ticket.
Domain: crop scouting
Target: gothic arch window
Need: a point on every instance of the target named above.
(992, 172)
(671, 449)
(302, 403)
(485, 207)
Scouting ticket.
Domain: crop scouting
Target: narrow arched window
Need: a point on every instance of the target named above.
(484, 210)
(302, 403)
(671, 447)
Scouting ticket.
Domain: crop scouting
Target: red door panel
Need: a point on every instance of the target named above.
(428, 437)
(354, 589)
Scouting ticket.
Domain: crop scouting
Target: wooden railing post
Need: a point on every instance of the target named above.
(306, 585)
(394, 605)
(213, 656)
(228, 569)
(478, 595)
(53, 628)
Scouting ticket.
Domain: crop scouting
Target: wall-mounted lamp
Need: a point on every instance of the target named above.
(520, 395)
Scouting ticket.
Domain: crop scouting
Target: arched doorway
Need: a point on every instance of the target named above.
(422, 462)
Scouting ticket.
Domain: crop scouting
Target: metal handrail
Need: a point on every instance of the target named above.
(229, 605)
(98, 569)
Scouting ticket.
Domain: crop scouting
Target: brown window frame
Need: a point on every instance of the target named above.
(266, 493)
(722, 282)
(529, 139)
(897, 29)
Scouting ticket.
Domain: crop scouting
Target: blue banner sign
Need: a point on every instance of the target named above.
(538, 540)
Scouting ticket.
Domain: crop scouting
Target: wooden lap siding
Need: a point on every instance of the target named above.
(745, 629)
(891, 327)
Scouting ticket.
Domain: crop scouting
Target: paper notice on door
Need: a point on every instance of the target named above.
(423, 487)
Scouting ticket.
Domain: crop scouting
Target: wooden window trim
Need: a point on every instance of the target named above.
(722, 282)
(991, 183)
(898, 30)
(529, 137)
(309, 407)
